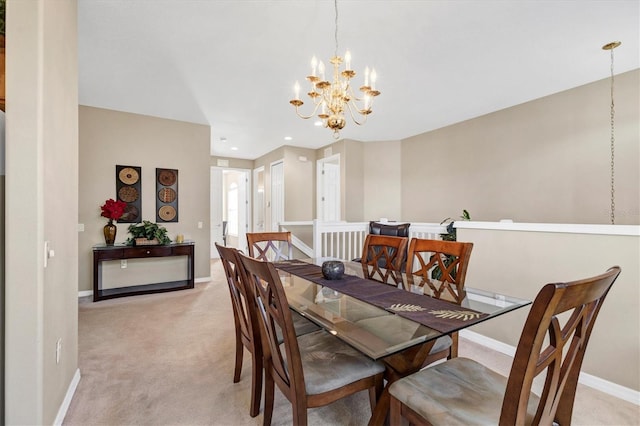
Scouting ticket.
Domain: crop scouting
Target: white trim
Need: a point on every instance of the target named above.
(71, 390)
(202, 280)
(567, 228)
(83, 293)
(594, 382)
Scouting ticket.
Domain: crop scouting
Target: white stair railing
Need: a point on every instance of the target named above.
(340, 240)
(427, 231)
(344, 240)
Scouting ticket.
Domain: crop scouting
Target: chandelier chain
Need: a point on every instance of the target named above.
(335, 6)
(612, 115)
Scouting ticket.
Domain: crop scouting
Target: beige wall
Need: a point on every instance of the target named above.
(370, 178)
(299, 185)
(519, 263)
(234, 163)
(42, 199)
(382, 176)
(109, 138)
(543, 161)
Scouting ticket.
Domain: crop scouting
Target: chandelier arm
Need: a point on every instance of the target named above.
(306, 117)
(353, 117)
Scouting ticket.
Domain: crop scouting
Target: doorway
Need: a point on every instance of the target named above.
(259, 202)
(328, 192)
(230, 207)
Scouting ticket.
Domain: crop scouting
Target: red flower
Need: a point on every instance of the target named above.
(113, 209)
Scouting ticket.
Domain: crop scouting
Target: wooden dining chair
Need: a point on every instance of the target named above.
(247, 326)
(382, 257)
(439, 268)
(270, 246)
(312, 370)
(246, 323)
(463, 391)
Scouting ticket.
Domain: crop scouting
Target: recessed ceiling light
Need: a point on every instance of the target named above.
(318, 123)
(234, 148)
(288, 138)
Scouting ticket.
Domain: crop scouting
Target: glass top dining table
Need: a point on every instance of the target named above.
(374, 330)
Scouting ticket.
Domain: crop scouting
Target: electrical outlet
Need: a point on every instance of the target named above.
(199, 225)
(58, 350)
(123, 264)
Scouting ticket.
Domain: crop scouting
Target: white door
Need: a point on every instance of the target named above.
(258, 200)
(277, 194)
(216, 210)
(328, 190)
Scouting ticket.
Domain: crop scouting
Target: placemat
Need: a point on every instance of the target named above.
(437, 314)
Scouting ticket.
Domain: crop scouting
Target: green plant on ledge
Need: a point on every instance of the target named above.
(148, 230)
(451, 235)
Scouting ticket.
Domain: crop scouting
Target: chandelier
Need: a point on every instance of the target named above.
(332, 99)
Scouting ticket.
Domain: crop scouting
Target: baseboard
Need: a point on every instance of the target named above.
(71, 390)
(84, 293)
(594, 382)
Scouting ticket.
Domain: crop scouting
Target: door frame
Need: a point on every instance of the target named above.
(244, 227)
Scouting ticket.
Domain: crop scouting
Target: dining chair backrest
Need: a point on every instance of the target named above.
(245, 316)
(270, 246)
(275, 314)
(439, 267)
(561, 354)
(552, 345)
(382, 257)
(389, 228)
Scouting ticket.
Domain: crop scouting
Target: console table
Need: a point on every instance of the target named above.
(103, 253)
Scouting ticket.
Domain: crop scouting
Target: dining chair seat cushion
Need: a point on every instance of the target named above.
(396, 330)
(300, 324)
(459, 391)
(328, 363)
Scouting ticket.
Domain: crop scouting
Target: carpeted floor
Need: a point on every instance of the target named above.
(167, 359)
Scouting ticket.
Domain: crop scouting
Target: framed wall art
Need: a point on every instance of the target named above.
(128, 189)
(166, 195)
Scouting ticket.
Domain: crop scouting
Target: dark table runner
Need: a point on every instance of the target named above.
(437, 314)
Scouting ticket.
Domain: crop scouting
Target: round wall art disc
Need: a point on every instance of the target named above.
(128, 194)
(130, 213)
(167, 177)
(167, 195)
(128, 175)
(167, 213)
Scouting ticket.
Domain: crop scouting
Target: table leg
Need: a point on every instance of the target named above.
(398, 366)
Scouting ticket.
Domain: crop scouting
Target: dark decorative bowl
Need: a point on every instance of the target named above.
(332, 269)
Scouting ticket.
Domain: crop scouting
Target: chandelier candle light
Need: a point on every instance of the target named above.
(332, 99)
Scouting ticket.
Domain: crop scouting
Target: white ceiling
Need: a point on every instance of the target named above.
(232, 64)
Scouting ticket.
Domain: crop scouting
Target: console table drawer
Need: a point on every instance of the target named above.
(113, 254)
(159, 251)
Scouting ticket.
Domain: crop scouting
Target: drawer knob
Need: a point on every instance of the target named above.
(148, 251)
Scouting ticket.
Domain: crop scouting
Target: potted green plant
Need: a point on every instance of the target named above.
(451, 235)
(147, 233)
